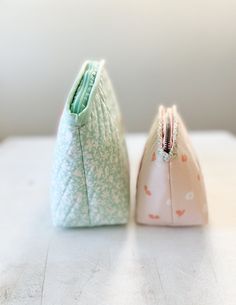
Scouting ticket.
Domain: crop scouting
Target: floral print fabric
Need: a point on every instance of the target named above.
(91, 172)
(170, 192)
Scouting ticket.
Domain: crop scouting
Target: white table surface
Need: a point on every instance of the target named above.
(122, 265)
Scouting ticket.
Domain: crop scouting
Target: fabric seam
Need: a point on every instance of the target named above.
(172, 209)
(86, 186)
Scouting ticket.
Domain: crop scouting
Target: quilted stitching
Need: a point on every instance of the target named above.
(91, 176)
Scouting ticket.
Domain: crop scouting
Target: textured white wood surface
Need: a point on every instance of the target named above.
(125, 265)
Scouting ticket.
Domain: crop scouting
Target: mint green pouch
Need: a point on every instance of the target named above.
(91, 172)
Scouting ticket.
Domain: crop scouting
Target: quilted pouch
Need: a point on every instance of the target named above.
(170, 186)
(91, 172)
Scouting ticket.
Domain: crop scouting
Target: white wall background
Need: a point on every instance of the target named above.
(160, 51)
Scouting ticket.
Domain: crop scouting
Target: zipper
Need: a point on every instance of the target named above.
(168, 133)
(163, 135)
(82, 93)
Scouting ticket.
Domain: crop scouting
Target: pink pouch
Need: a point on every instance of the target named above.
(170, 185)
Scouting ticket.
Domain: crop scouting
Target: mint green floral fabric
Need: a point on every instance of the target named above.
(91, 173)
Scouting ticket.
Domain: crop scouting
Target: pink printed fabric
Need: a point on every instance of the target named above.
(170, 192)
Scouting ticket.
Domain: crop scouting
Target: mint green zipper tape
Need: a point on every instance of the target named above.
(82, 93)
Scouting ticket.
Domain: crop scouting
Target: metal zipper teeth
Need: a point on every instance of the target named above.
(167, 132)
(167, 143)
(155, 142)
(168, 149)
